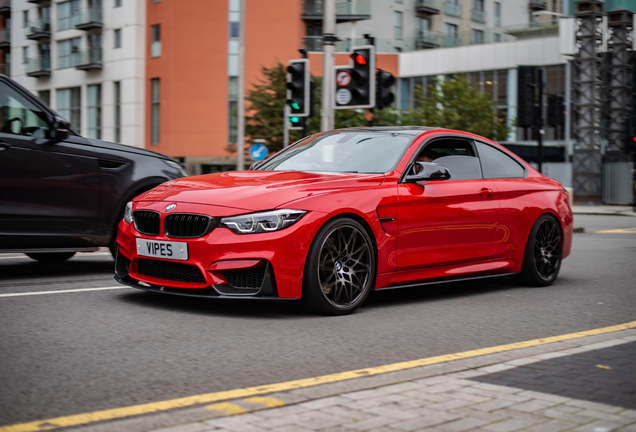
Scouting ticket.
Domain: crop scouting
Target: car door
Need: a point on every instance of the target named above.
(49, 195)
(447, 222)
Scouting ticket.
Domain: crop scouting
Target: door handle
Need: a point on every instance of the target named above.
(485, 193)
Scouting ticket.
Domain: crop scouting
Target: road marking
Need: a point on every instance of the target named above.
(618, 231)
(61, 291)
(116, 413)
(265, 401)
(227, 408)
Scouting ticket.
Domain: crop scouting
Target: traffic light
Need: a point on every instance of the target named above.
(363, 77)
(298, 87)
(556, 109)
(384, 96)
(526, 89)
(630, 139)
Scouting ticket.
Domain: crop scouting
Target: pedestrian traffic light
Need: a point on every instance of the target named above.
(556, 110)
(384, 96)
(298, 87)
(526, 89)
(355, 84)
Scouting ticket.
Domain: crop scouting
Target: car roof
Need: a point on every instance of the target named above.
(408, 130)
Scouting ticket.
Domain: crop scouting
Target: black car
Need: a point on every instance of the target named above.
(61, 193)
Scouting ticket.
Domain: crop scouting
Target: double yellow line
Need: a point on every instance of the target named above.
(118, 413)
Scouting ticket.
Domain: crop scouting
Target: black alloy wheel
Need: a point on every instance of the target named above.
(340, 269)
(542, 259)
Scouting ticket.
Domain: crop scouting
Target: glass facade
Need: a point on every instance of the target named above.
(155, 117)
(117, 103)
(69, 105)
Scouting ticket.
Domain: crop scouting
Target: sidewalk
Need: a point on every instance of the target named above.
(578, 384)
(603, 210)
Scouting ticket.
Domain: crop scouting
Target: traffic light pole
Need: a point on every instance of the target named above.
(328, 50)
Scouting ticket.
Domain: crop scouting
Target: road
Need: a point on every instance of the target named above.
(80, 351)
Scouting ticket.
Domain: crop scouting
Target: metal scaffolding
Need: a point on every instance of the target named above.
(619, 90)
(587, 87)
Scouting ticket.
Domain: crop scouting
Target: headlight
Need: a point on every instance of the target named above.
(176, 166)
(128, 213)
(269, 221)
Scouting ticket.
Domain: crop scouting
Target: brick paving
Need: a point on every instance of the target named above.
(587, 384)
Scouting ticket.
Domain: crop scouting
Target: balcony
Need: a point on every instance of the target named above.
(538, 5)
(5, 38)
(88, 19)
(314, 43)
(478, 16)
(452, 9)
(38, 67)
(428, 6)
(427, 39)
(90, 59)
(451, 41)
(5, 7)
(346, 10)
(39, 29)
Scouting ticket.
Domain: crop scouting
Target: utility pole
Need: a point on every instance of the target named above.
(328, 49)
(370, 114)
(304, 120)
(240, 145)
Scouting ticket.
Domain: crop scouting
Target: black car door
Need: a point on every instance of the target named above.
(49, 189)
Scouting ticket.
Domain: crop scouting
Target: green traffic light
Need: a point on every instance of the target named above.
(295, 106)
(294, 119)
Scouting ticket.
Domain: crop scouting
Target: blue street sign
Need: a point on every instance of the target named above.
(258, 151)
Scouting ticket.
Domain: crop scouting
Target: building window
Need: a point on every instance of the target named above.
(397, 24)
(65, 13)
(69, 105)
(67, 52)
(476, 37)
(497, 14)
(117, 34)
(45, 96)
(45, 56)
(95, 111)
(25, 55)
(117, 3)
(451, 35)
(25, 18)
(154, 111)
(155, 40)
(117, 91)
(478, 5)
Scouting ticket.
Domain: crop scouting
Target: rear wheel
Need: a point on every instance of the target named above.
(340, 269)
(542, 258)
(50, 257)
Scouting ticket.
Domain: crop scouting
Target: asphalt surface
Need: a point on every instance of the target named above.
(76, 352)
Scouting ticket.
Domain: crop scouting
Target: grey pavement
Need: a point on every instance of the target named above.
(619, 210)
(583, 384)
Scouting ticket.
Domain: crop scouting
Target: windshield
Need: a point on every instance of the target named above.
(343, 151)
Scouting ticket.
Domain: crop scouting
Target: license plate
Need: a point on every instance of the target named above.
(162, 249)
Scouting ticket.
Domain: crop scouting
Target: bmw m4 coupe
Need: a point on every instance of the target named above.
(344, 212)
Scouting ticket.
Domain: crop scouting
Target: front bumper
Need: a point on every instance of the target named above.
(222, 264)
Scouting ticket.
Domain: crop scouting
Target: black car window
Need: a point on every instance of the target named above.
(19, 116)
(497, 164)
(457, 155)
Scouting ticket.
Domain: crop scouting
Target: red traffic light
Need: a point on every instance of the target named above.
(359, 58)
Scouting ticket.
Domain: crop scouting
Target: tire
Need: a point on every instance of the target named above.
(50, 257)
(543, 254)
(340, 269)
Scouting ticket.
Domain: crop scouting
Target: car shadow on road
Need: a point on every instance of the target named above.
(26, 270)
(294, 309)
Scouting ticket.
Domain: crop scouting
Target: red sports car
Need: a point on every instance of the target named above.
(343, 212)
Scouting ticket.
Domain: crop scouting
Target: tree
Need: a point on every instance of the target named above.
(453, 104)
(456, 104)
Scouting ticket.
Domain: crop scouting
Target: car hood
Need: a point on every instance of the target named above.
(257, 190)
(125, 148)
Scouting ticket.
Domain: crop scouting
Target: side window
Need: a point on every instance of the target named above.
(455, 154)
(19, 116)
(497, 164)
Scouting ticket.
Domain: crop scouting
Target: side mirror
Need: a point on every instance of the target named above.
(60, 128)
(428, 171)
